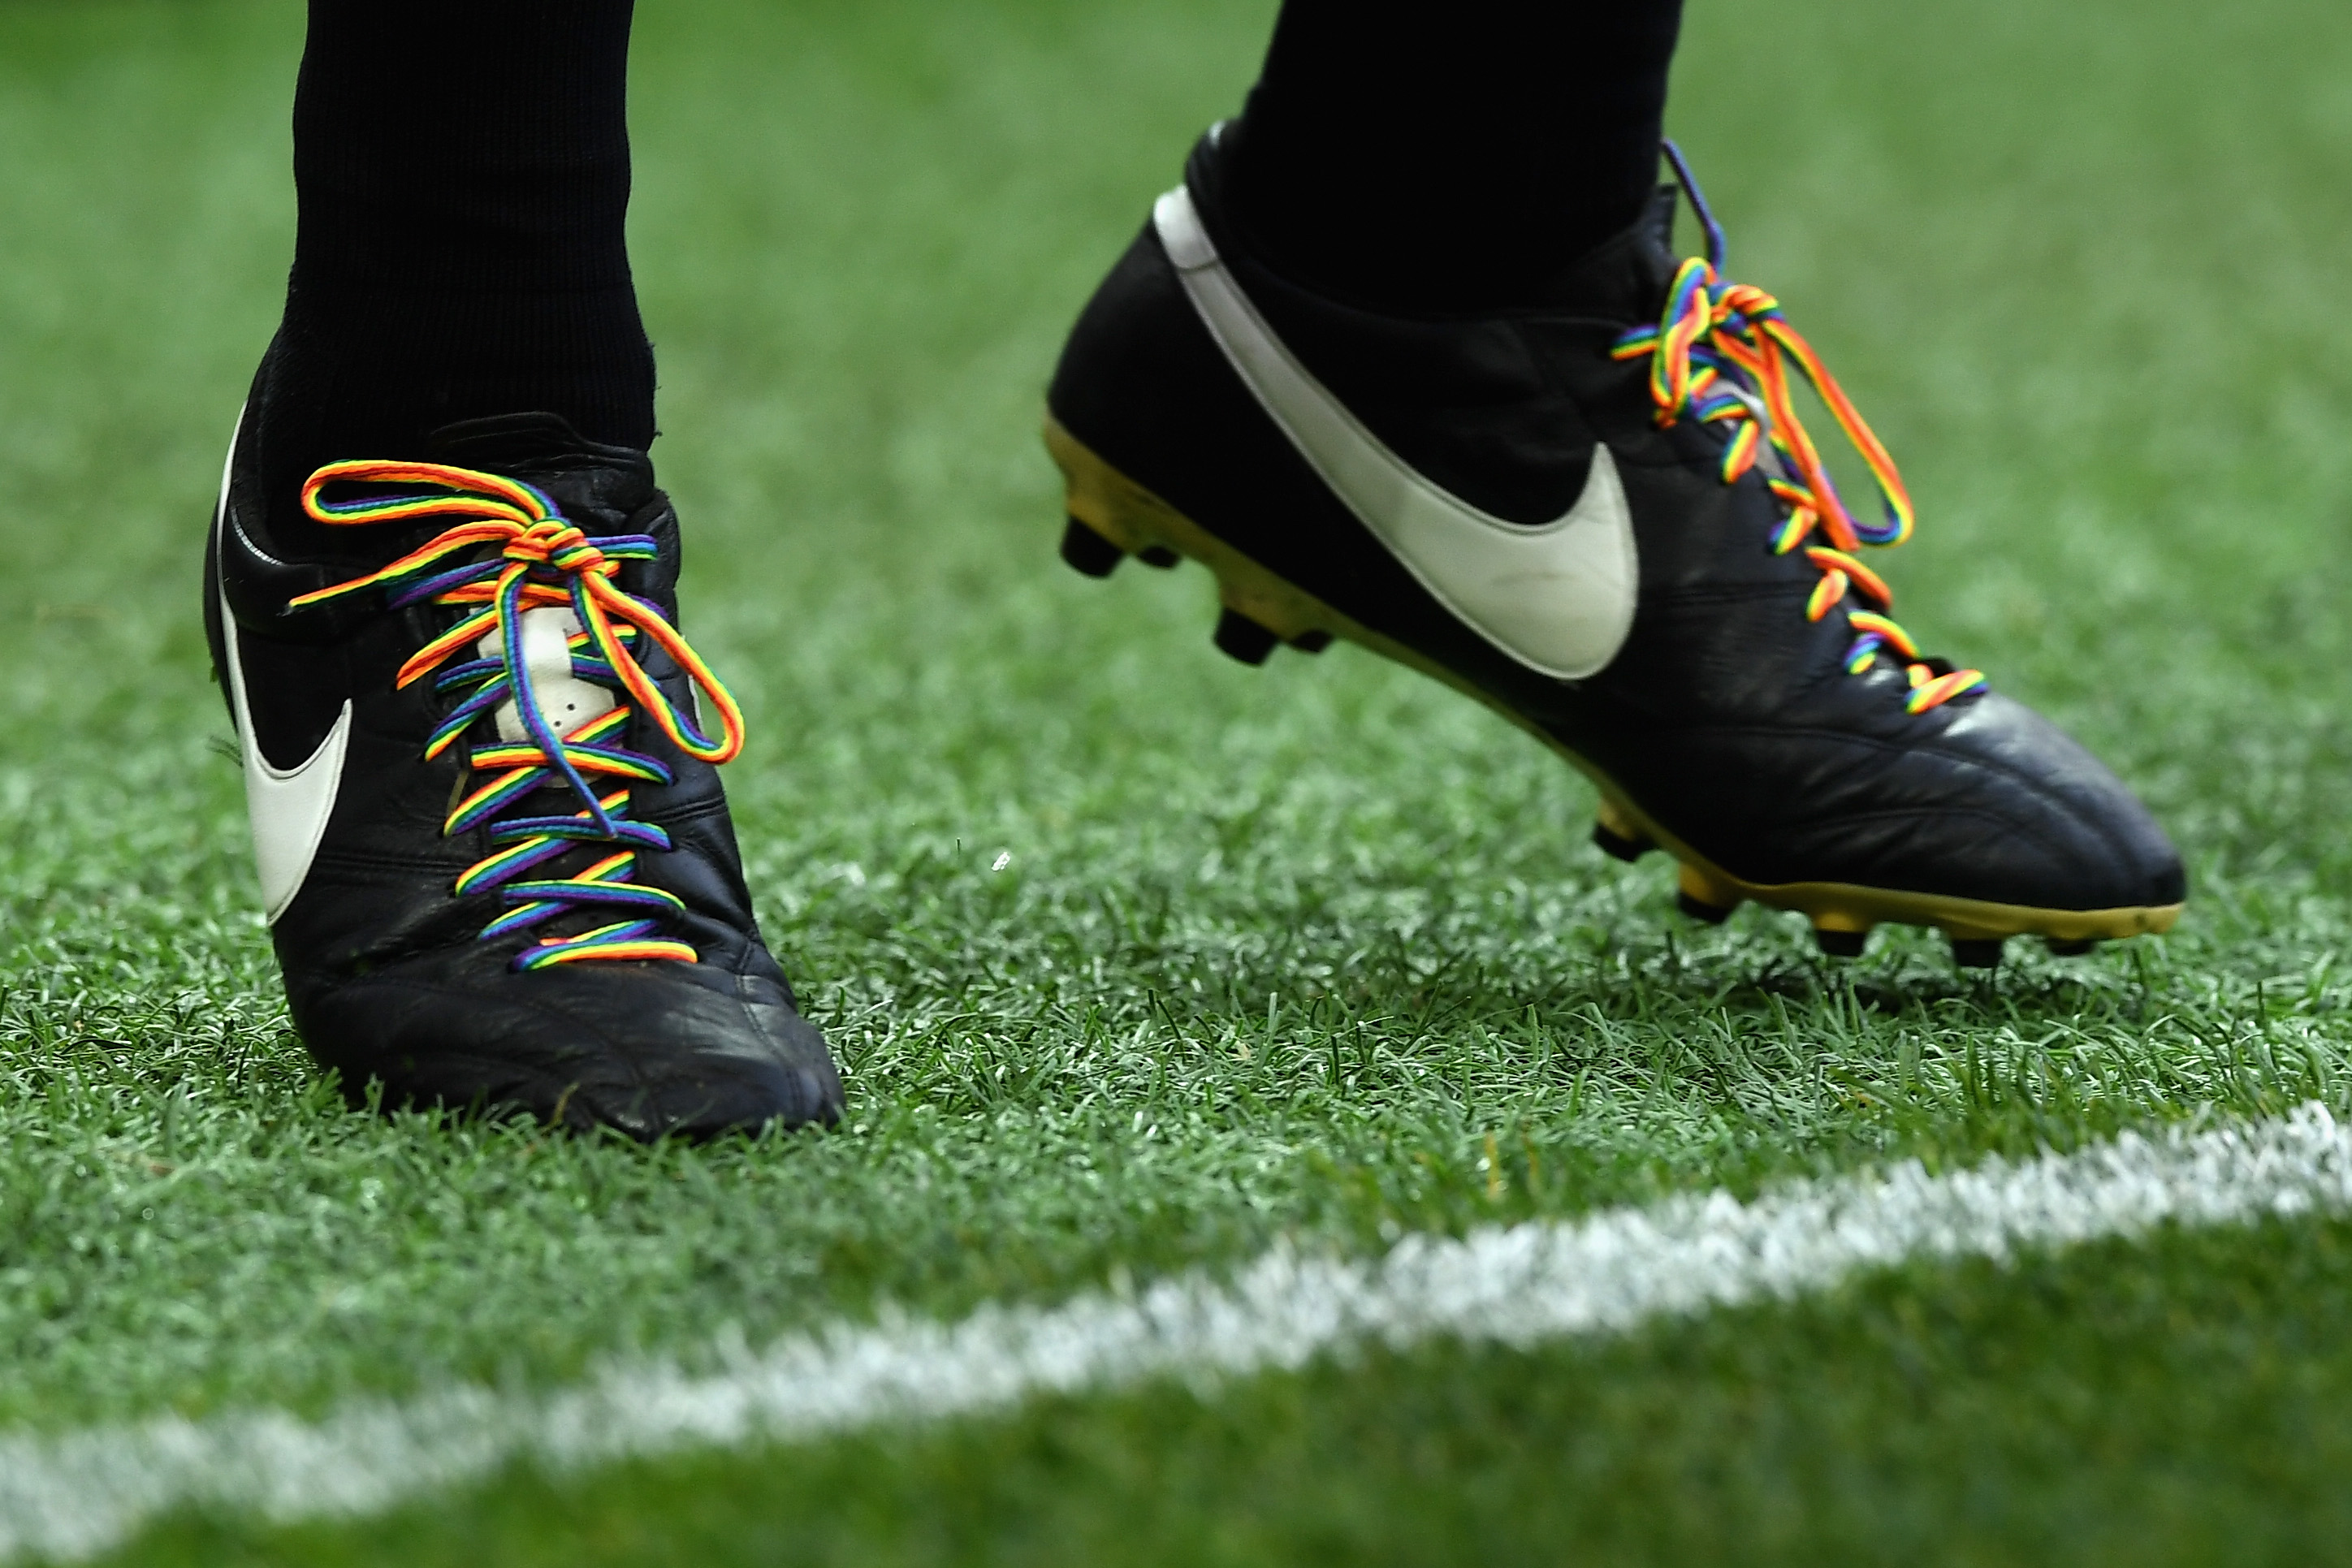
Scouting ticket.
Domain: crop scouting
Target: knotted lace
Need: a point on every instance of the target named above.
(507, 551)
(1723, 354)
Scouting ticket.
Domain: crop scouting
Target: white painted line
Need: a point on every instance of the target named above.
(74, 1494)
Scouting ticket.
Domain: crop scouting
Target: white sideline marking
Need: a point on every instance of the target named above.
(76, 1493)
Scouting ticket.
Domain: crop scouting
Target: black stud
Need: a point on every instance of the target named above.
(2069, 947)
(1088, 551)
(1311, 642)
(1699, 909)
(1840, 944)
(1977, 952)
(1618, 846)
(1243, 638)
(1160, 556)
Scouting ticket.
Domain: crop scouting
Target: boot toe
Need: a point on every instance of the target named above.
(651, 1049)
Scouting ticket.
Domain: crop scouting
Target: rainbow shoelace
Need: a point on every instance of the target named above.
(1722, 354)
(509, 552)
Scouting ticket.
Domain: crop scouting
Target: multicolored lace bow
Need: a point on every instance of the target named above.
(516, 555)
(1722, 354)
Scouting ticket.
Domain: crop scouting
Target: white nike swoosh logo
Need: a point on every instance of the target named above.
(1558, 596)
(288, 808)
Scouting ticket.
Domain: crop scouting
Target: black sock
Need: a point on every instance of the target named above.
(463, 173)
(1431, 157)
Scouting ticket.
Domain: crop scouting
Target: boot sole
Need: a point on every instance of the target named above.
(1261, 611)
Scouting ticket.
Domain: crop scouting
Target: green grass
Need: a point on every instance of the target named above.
(1970, 1416)
(1277, 953)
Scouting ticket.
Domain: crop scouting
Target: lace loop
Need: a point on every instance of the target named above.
(514, 554)
(1723, 353)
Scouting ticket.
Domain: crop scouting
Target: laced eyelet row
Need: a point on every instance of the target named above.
(1722, 353)
(514, 553)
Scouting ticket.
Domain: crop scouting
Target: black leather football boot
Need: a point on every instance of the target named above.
(1600, 515)
(493, 848)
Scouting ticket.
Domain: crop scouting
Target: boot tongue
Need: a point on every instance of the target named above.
(597, 487)
(1625, 277)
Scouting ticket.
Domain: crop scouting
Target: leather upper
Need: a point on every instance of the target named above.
(1726, 715)
(385, 975)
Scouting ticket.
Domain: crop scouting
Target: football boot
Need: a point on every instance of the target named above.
(480, 764)
(1600, 514)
